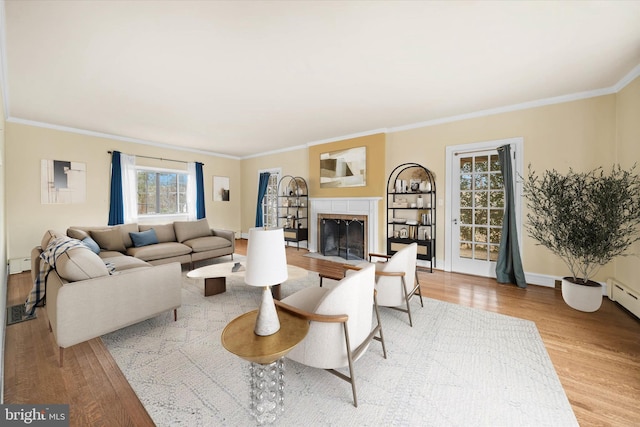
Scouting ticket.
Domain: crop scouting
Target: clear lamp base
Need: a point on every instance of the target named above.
(267, 391)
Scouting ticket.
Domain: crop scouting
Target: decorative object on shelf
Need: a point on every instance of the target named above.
(266, 266)
(414, 203)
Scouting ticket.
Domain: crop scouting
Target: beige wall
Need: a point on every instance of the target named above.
(3, 242)
(292, 162)
(27, 219)
(628, 153)
(376, 179)
(579, 134)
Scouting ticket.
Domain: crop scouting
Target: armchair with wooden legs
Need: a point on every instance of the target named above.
(340, 328)
(397, 279)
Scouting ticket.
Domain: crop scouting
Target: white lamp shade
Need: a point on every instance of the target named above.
(266, 257)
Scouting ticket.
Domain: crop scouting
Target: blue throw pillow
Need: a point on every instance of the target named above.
(91, 244)
(144, 238)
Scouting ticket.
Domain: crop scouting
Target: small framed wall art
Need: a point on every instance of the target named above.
(221, 189)
(62, 182)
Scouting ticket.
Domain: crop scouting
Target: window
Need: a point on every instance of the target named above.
(270, 200)
(162, 192)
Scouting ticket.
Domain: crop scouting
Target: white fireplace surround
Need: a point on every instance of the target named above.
(344, 206)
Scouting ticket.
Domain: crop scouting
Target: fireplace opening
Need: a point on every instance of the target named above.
(344, 238)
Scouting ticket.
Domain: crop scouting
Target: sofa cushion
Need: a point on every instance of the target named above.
(91, 244)
(110, 239)
(110, 254)
(122, 263)
(76, 233)
(186, 230)
(159, 251)
(125, 229)
(209, 243)
(164, 232)
(144, 238)
(80, 264)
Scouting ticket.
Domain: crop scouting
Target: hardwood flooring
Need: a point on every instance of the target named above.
(596, 355)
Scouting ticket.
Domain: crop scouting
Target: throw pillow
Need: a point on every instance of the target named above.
(164, 232)
(91, 244)
(144, 238)
(109, 240)
(186, 230)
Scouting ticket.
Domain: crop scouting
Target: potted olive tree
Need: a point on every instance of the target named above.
(586, 219)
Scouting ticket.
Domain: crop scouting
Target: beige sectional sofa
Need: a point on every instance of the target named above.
(94, 291)
(185, 242)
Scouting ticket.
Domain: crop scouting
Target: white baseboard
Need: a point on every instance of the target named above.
(550, 281)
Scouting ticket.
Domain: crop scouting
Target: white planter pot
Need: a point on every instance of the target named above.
(582, 297)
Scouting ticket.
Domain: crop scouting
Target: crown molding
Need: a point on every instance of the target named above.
(631, 76)
(351, 136)
(508, 109)
(115, 137)
(267, 153)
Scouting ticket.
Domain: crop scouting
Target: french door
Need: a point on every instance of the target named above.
(476, 189)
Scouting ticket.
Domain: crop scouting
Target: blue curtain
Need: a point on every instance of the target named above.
(116, 201)
(509, 264)
(200, 213)
(262, 190)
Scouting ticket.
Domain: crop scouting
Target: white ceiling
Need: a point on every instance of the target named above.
(240, 78)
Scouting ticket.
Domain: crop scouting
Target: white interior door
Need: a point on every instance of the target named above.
(476, 210)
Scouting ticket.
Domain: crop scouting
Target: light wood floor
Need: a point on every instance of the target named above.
(596, 355)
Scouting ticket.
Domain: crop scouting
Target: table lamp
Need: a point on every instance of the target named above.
(266, 266)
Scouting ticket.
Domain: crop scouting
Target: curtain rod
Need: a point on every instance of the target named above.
(156, 158)
(458, 153)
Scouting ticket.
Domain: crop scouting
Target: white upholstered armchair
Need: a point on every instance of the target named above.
(397, 279)
(341, 319)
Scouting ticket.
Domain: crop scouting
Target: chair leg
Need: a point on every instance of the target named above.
(175, 314)
(419, 291)
(352, 378)
(61, 357)
(379, 327)
(406, 299)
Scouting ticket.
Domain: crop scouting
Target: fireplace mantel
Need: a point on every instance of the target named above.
(345, 206)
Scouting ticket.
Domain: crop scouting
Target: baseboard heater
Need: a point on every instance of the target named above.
(625, 296)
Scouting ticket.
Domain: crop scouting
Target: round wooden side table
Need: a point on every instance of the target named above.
(265, 354)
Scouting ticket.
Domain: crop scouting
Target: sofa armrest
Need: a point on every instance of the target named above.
(227, 234)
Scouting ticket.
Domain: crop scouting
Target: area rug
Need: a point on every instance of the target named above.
(457, 366)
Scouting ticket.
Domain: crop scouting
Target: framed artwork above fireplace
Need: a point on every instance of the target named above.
(344, 168)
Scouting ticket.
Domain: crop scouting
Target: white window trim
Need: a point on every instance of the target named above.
(162, 218)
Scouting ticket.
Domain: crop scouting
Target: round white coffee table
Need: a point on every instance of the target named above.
(215, 275)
